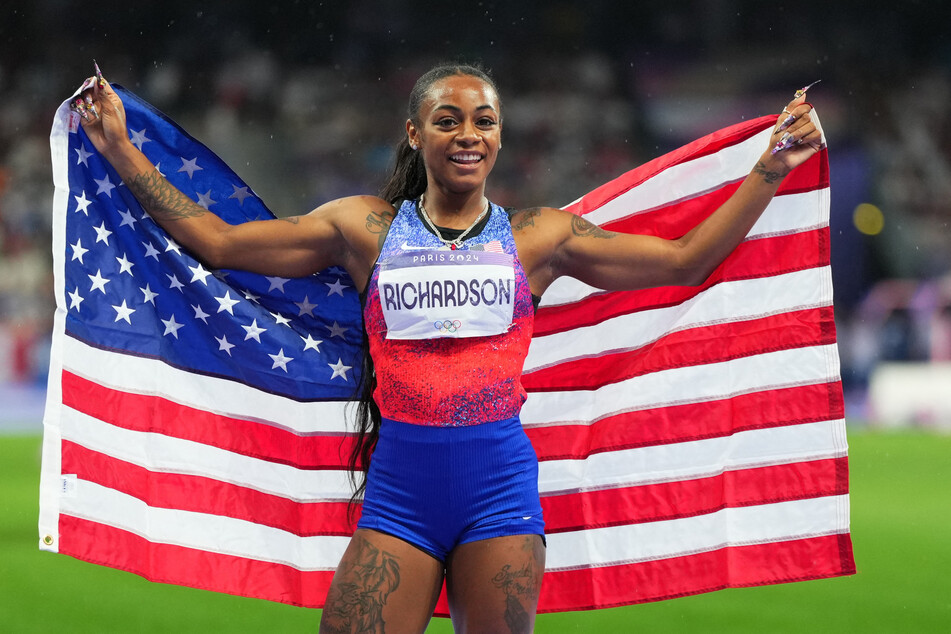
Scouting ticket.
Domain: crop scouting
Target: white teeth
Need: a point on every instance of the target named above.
(466, 157)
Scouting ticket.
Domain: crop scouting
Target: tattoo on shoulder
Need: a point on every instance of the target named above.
(525, 218)
(771, 177)
(584, 229)
(378, 223)
(160, 198)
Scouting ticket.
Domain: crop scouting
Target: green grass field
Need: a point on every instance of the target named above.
(901, 510)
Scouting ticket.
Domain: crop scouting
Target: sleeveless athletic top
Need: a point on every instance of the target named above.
(434, 364)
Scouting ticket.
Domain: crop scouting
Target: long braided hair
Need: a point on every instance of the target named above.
(406, 182)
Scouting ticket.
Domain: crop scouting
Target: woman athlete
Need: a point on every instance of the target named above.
(451, 491)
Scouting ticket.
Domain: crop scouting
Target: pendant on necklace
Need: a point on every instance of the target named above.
(452, 246)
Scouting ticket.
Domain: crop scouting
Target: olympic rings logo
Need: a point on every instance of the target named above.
(447, 325)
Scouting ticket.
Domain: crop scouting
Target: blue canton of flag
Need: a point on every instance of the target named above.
(131, 287)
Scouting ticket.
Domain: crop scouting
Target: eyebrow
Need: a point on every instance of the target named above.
(458, 109)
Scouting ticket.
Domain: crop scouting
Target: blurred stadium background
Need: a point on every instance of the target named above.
(305, 100)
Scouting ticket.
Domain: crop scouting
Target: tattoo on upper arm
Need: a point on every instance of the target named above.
(160, 198)
(771, 177)
(291, 219)
(378, 223)
(583, 229)
(525, 218)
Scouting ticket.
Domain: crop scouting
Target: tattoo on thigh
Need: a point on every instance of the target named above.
(519, 585)
(356, 603)
(583, 229)
(525, 218)
(161, 199)
(378, 223)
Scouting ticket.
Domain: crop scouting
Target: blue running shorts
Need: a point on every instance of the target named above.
(438, 487)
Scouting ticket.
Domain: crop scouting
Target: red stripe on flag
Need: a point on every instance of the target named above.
(145, 413)
(167, 563)
(208, 495)
(732, 567)
(689, 347)
(676, 218)
(710, 144)
(691, 421)
(765, 256)
(688, 498)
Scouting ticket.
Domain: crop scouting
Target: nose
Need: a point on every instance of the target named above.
(469, 133)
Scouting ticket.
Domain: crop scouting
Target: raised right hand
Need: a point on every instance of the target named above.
(105, 122)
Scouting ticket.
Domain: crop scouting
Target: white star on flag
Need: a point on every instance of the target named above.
(226, 303)
(199, 274)
(339, 369)
(82, 203)
(124, 265)
(337, 330)
(76, 299)
(171, 245)
(281, 319)
(336, 288)
(310, 343)
(240, 193)
(123, 312)
(171, 326)
(139, 138)
(83, 155)
(200, 314)
(251, 297)
(280, 361)
(190, 166)
(150, 295)
(98, 281)
(78, 250)
(306, 308)
(224, 345)
(104, 186)
(254, 331)
(174, 283)
(127, 219)
(150, 251)
(276, 283)
(205, 200)
(102, 234)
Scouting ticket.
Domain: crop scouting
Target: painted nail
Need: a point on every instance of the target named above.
(102, 81)
(787, 122)
(80, 107)
(802, 91)
(784, 143)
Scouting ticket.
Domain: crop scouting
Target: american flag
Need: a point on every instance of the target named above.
(690, 439)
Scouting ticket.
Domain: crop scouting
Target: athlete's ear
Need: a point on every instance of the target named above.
(412, 134)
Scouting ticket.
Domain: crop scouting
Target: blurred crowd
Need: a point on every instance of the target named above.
(306, 101)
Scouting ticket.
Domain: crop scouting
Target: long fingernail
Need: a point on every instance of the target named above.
(784, 143)
(102, 81)
(80, 107)
(802, 91)
(787, 122)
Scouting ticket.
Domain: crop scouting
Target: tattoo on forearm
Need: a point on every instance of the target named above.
(771, 177)
(378, 223)
(525, 218)
(161, 199)
(356, 603)
(583, 229)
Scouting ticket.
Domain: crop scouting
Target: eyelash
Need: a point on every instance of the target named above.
(448, 122)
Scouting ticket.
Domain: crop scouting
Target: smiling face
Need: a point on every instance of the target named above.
(458, 133)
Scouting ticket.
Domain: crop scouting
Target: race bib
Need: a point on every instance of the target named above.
(447, 293)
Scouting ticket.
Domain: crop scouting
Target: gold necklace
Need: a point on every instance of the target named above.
(457, 242)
